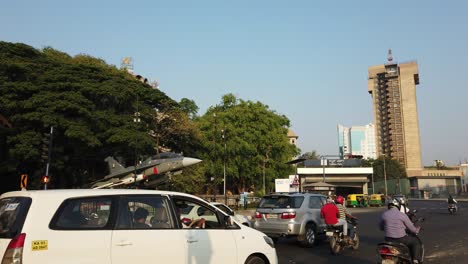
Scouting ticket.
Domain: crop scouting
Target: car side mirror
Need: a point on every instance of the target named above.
(228, 220)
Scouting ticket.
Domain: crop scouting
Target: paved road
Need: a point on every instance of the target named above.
(445, 237)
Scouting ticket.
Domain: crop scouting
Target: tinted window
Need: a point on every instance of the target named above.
(145, 212)
(281, 202)
(315, 202)
(13, 212)
(83, 213)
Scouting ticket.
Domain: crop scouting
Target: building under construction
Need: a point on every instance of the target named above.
(393, 90)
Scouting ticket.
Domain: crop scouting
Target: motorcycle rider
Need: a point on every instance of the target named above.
(330, 214)
(452, 201)
(395, 223)
(344, 214)
(403, 207)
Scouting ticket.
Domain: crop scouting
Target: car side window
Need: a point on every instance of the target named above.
(315, 202)
(83, 214)
(195, 214)
(145, 212)
(323, 200)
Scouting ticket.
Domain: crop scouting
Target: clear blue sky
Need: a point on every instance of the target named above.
(305, 59)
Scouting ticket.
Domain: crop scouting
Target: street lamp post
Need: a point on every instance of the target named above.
(224, 166)
(136, 120)
(264, 176)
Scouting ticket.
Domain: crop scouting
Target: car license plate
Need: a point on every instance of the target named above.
(272, 216)
(388, 261)
(329, 233)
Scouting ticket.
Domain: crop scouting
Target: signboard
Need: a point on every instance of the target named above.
(287, 185)
(335, 162)
(282, 185)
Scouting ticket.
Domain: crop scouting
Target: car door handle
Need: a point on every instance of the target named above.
(192, 240)
(124, 244)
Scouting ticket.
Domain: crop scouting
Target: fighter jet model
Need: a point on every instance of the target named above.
(155, 169)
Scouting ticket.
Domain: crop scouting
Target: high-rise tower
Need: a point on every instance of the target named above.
(393, 90)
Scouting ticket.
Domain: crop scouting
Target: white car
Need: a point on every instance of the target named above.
(238, 217)
(122, 226)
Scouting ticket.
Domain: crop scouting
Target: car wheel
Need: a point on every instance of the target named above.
(255, 260)
(310, 236)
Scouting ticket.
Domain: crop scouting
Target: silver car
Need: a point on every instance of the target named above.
(291, 214)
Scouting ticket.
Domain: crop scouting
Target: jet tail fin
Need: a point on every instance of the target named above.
(114, 166)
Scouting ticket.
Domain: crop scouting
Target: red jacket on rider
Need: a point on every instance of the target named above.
(330, 214)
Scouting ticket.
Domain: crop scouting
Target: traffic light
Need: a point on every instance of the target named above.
(45, 179)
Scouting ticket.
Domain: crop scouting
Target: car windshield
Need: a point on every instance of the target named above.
(281, 202)
(13, 212)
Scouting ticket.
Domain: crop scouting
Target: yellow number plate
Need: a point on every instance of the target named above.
(40, 245)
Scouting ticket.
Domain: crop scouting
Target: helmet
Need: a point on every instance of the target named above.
(394, 203)
(339, 199)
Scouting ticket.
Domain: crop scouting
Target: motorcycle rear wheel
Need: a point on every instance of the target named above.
(335, 247)
(356, 242)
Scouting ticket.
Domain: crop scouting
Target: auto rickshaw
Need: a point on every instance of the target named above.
(357, 200)
(376, 200)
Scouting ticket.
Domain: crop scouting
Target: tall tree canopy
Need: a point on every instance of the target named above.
(393, 168)
(250, 140)
(96, 110)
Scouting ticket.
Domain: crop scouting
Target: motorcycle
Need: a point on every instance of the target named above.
(399, 253)
(337, 239)
(452, 208)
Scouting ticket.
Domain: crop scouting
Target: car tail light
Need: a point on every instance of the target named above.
(14, 251)
(258, 215)
(290, 215)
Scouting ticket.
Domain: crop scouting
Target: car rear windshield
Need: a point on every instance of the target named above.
(13, 211)
(281, 202)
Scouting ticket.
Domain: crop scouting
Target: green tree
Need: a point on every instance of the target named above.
(189, 106)
(250, 140)
(393, 168)
(92, 107)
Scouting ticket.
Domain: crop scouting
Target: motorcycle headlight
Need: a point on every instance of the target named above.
(269, 241)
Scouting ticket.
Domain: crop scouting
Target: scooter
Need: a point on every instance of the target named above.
(452, 208)
(337, 239)
(399, 253)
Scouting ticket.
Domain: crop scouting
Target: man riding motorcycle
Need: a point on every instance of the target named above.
(451, 200)
(330, 214)
(344, 214)
(395, 223)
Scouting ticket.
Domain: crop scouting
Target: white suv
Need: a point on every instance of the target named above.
(122, 226)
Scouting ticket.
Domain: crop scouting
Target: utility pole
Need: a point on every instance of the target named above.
(324, 160)
(224, 166)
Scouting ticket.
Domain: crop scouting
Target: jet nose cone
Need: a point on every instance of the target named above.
(190, 161)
